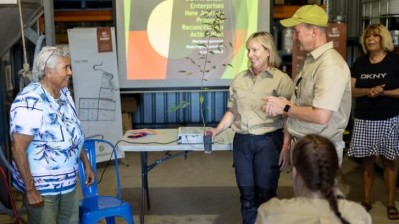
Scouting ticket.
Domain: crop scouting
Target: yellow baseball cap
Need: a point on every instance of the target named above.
(310, 14)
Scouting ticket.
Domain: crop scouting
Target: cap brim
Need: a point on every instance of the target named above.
(290, 22)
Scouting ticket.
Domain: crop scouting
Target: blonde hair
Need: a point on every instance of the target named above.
(381, 31)
(267, 41)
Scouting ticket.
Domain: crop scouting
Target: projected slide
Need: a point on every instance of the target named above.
(158, 37)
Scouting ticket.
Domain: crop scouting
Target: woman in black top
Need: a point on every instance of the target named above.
(375, 86)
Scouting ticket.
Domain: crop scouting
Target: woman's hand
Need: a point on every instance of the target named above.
(376, 91)
(211, 131)
(90, 176)
(34, 198)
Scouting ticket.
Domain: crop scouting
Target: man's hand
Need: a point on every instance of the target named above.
(284, 160)
(274, 105)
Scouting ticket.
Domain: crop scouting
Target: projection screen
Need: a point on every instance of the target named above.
(155, 38)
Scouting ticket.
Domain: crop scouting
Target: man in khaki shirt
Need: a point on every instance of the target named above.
(322, 99)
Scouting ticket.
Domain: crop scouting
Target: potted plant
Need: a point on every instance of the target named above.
(203, 61)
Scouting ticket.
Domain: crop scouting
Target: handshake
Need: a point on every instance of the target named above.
(274, 105)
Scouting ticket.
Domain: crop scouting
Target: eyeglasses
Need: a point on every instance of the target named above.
(59, 52)
(45, 63)
(296, 91)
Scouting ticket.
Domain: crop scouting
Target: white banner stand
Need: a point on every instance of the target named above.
(96, 85)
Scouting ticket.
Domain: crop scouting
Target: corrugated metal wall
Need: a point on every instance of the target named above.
(349, 12)
(153, 109)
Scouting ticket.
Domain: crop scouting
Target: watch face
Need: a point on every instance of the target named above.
(287, 108)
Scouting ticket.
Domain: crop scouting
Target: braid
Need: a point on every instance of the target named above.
(327, 184)
(319, 161)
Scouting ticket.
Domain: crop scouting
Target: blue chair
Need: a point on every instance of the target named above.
(93, 207)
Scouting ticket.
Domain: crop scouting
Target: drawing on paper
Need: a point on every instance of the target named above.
(103, 107)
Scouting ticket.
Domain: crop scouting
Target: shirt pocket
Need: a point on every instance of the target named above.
(305, 91)
(240, 94)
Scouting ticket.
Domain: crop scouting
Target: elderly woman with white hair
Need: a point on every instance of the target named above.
(47, 142)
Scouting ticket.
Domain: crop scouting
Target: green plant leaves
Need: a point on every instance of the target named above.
(203, 60)
(182, 105)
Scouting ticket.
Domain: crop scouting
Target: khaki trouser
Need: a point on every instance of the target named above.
(60, 209)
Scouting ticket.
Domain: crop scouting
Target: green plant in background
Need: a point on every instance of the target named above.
(203, 62)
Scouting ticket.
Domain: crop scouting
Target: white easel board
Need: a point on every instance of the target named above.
(96, 85)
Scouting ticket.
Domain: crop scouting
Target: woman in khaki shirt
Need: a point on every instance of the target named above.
(315, 165)
(258, 149)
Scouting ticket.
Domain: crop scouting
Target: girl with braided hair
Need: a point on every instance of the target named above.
(314, 168)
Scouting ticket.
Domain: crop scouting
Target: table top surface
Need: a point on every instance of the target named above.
(166, 140)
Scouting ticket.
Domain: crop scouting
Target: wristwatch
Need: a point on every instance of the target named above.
(287, 108)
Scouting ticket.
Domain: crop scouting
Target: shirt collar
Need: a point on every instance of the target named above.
(316, 53)
(268, 72)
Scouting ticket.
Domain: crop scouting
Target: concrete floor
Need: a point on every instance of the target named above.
(201, 189)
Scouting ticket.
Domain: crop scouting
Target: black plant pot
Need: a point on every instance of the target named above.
(207, 144)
